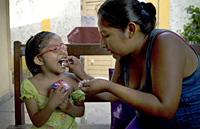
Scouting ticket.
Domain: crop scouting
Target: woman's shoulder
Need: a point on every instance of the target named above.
(168, 37)
(167, 45)
(168, 40)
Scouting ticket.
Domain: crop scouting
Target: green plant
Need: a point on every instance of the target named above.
(191, 31)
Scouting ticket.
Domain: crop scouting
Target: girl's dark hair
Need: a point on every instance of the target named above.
(34, 46)
(118, 13)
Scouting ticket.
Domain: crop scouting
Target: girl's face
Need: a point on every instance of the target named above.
(53, 60)
(113, 39)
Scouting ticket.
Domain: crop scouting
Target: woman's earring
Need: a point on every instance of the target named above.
(130, 34)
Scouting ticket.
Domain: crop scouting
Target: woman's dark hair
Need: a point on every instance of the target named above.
(34, 46)
(118, 13)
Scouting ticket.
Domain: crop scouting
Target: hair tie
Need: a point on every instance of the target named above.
(143, 12)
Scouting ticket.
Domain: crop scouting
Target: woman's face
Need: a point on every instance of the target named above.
(113, 39)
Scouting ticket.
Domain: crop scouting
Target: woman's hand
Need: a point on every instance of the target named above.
(94, 86)
(57, 97)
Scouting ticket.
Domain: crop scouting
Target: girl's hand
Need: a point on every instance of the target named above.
(75, 65)
(57, 97)
(94, 86)
(65, 105)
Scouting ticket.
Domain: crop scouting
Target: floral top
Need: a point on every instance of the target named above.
(58, 119)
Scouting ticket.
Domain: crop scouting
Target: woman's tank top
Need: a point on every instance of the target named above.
(121, 113)
(188, 112)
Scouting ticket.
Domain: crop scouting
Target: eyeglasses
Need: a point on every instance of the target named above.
(55, 48)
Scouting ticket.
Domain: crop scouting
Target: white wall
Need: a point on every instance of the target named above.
(178, 14)
(26, 17)
(67, 19)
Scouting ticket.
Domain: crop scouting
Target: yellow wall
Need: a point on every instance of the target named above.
(45, 24)
(97, 66)
(89, 7)
(5, 52)
(162, 12)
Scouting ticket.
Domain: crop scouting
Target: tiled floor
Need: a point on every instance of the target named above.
(95, 113)
(7, 114)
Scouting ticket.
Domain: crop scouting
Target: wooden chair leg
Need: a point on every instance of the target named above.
(19, 105)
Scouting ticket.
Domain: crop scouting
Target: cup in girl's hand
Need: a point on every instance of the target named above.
(60, 83)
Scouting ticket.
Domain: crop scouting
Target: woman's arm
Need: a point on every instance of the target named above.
(107, 96)
(167, 66)
(77, 68)
(167, 71)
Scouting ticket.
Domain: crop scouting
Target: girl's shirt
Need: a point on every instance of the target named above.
(59, 119)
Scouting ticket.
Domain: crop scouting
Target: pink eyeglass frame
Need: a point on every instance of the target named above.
(51, 49)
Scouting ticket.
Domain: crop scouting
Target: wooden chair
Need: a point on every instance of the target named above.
(19, 51)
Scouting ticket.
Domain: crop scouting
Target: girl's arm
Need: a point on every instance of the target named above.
(76, 67)
(78, 108)
(37, 116)
(40, 117)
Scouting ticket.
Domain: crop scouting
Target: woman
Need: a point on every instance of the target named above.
(163, 70)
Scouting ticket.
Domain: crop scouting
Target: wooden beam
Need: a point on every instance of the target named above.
(86, 49)
(79, 49)
(19, 105)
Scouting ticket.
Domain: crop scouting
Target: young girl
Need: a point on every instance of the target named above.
(45, 54)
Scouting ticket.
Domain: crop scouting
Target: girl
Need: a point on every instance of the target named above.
(45, 54)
